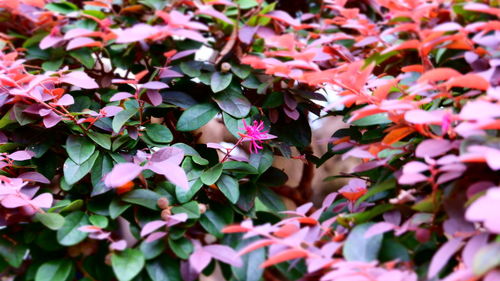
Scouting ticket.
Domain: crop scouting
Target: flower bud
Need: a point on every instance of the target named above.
(163, 202)
(202, 207)
(166, 213)
(225, 67)
(107, 259)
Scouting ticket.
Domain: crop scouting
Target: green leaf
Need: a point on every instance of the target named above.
(185, 195)
(211, 175)
(196, 116)
(53, 221)
(127, 264)
(393, 250)
(235, 104)
(123, 116)
(79, 149)
(270, 199)
(181, 247)
(74, 172)
(487, 258)
(220, 81)
(104, 140)
(375, 119)
(102, 166)
(215, 219)
(116, 208)
(151, 250)
(247, 4)
(262, 160)
(229, 187)
(241, 70)
(191, 68)
(159, 133)
(164, 269)
(52, 65)
(84, 56)
(381, 187)
(239, 167)
(13, 252)
(154, 4)
(98, 220)
(358, 248)
(55, 270)
(369, 214)
(68, 234)
(143, 197)
(191, 209)
(62, 7)
(250, 270)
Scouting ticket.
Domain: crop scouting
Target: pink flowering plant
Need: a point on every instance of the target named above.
(109, 168)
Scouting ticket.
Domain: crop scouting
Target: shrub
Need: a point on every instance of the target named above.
(103, 176)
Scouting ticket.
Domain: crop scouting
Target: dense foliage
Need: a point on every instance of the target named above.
(103, 175)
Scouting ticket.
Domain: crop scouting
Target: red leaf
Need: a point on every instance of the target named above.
(472, 81)
(438, 74)
(284, 256)
(255, 245)
(234, 229)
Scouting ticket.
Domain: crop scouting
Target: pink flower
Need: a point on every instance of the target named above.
(255, 135)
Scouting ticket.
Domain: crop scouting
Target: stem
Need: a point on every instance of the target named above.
(228, 152)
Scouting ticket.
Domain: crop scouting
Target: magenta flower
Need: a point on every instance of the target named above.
(255, 135)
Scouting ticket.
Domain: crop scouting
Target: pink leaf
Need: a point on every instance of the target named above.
(173, 173)
(425, 117)
(433, 148)
(111, 110)
(477, 110)
(176, 219)
(122, 173)
(14, 201)
(284, 17)
(50, 41)
(120, 96)
(119, 245)
(379, 228)
(79, 79)
(443, 255)
(173, 155)
(66, 100)
(79, 43)
(152, 226)
(472, 247)
(415, 167)
(246, 33)
(224, 254)
(21, 155)
(155, 236)
(411, 178)
(199, 259)
(77, 32)
(210, 11)
(136, 33)
(43, 200)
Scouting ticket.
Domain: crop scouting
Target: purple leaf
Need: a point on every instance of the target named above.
(183, 54)
(21, 155)
(443, 255)
(155, 236)
(77, 32)
(34, 176)
(173, 155)
(152, 226)
(155, 85)
(199, 259)
(433, 148)
(246, 33)
(176, 219)
(480, 109)
(122, 173)
(79, 79)
(51, 120)
(120, 96)
(472, 247)
(224, 254)
(14, 201)
(379, 228)
(284, 17)
(393, 217)
(154, 97)
(411, 178)
(414, 167)
(3, 138)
